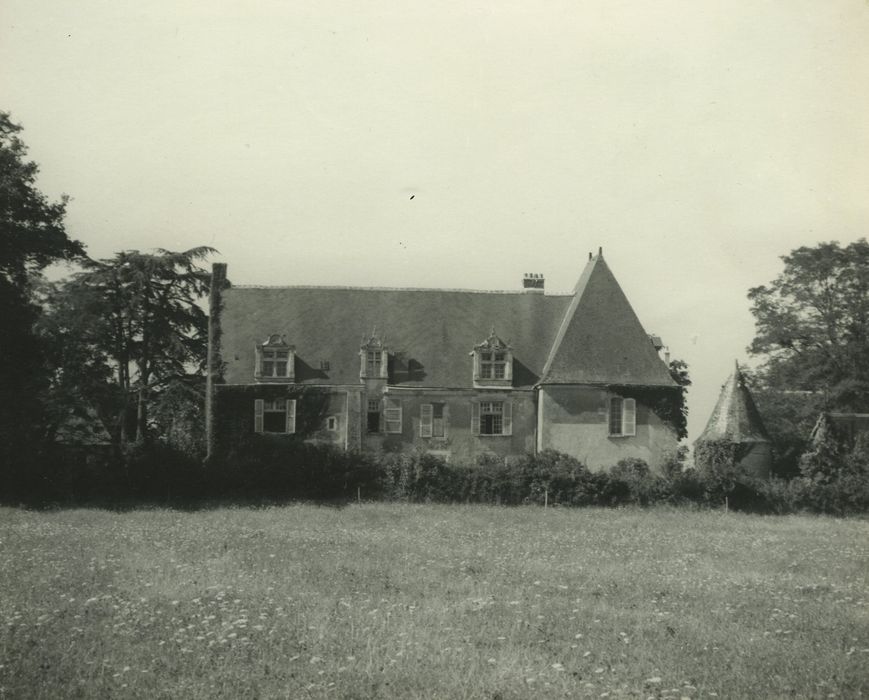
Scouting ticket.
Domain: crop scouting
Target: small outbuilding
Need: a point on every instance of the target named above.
(735, 429)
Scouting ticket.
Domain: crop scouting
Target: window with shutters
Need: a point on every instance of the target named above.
(275, 360)
(432, 420)
(492, 418)
(622, 417)
(493, 362)
(275, 415)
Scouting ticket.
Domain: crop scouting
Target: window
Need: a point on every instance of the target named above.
(274, 416)
(392, 415)
(493, 365)
(332, 423)
(274, 360)
(622, 417)
(373, 363)
(373, 356)
(492, 418)
(373, 415)
(324, 365)
(432, 420)
(493, 362)
(274, 363)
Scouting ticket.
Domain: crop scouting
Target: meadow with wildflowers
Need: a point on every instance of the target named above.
(431, 601)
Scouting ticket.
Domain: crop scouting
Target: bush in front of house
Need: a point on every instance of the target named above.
(273, 468)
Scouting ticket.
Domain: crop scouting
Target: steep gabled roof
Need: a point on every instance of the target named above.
(429, 332)
(601, 340)
(735, 416)
(591, 336)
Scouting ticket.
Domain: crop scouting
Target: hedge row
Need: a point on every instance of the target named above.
(265, 470)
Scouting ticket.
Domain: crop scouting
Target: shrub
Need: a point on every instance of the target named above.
(643, 487)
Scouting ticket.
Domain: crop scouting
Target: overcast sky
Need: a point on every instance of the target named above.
(696, 141)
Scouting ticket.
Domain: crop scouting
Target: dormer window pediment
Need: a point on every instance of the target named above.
(493, 362)
(275, 360)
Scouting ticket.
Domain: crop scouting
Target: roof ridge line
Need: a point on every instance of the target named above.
(395, 289)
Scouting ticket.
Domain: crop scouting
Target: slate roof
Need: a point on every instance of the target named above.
(735, 416)
(601, 340)
(431, 333)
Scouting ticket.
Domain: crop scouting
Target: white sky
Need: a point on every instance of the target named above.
(696, 141)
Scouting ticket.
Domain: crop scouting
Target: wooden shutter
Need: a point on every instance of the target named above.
(475, 417)
(258, 406)
(629, 417)
(426, 414)
(446, 418)
(507, 425)
(291, 416)
(393, 415)
(258, 363)
(382, 424)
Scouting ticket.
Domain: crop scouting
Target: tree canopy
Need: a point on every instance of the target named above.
(32, 236)
(812, 324)
(32, 233)
(133, 318)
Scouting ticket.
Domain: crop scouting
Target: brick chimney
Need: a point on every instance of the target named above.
(533, 282)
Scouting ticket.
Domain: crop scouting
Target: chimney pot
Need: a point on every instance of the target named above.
(533, 282)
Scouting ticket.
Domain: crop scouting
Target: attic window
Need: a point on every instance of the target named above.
(373, 356)
(493, 365)
(275, 360)
(274, 363)
(493, 362)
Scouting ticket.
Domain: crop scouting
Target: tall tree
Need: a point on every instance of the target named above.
(812, 324)
(32, 236)
(137, 314)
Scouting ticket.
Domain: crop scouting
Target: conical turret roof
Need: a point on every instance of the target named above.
(735, 416)
(601, 340)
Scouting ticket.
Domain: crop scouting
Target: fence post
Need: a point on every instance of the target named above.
(359, 494)
(546, 498)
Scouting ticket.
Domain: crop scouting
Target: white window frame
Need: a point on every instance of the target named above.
(373, 363)
(287, 407)
(487, 407)
(493, 364)
(266, 358)
(623, 410)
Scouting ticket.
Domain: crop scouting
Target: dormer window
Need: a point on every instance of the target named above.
(373, 363)
(374, 356)
(275, 360)
(493, 362)
(493, 365)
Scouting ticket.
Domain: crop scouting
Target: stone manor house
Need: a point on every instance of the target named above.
(456, 373)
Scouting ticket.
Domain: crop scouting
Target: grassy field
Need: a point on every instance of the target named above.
(399, 601)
